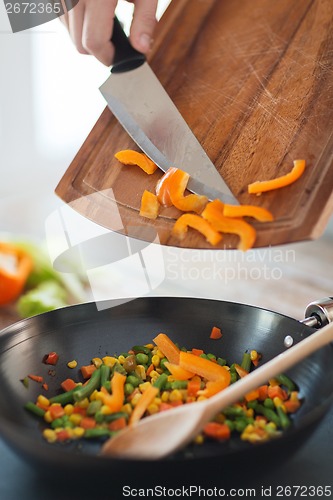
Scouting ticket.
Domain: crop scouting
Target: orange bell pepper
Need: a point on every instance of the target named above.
(196, 222)
(129, 157)
(143, 403)
(259, 187)
(204, 367)
(259, 213)
(178, 372)
(116, 400)
(212, 388)
(149, 205)
(169, 349)
(213, 213)
(171, 188)
(15, 267)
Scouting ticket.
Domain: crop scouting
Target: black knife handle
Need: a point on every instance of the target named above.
(126, 57)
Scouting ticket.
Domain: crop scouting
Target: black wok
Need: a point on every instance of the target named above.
(82, 332)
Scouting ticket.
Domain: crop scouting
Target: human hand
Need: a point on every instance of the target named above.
(90, 25)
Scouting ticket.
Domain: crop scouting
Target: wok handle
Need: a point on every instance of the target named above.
(319, 313)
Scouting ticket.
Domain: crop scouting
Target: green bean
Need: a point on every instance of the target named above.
(65, 397)
(94, 407)
(233, 411)
(114, 416)
(268, 403)
(117, 367)
(134, 380)
(284, 419)
(240, 424)
(128, 389)
(34, 409)
(162, 366)
(233, 377)
(230, 424)
(246, 361)
(211, 356)
(179, 384)
(161, 381)
(221, 361)
(97, 433)
(105, 374)
(287, 382)
(204, 356)
(269, 414)
(93, 384)
(141, 348)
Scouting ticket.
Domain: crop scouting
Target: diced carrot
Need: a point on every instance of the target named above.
(252, 395)
(80, 411)
(277, 392)
(118, 424)
(87, 371)
(241, 372)
(178, 372)
(176, 403)
(193, 386)
(292, 406)
(36, 378)
(169, 349)
(165, 406)
(197, 352)
(147, 397)
(68, 384)
(88, 423)
(150, 369)
(217, 431)
(130, 157)
(204, 367)
(56, 411)
(263, 392)
(45, 386)
(215, 333)
(62, 435)
(51, 358)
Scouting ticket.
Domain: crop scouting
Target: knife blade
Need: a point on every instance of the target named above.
(144, 109)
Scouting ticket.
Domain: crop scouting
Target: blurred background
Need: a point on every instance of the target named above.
(49, 102)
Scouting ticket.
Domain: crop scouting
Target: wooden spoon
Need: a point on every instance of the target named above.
(161, 434)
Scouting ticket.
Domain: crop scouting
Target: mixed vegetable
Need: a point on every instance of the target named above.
(117, 391)
(211, 218)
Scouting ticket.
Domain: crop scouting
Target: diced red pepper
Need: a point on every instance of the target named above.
(51, 358)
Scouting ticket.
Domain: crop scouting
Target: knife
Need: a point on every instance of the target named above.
(142, 106)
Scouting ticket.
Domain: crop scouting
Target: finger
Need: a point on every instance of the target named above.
(97, 29)
(143, 24)
(75, 23)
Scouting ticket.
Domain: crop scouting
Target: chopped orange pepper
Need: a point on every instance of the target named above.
(88, 423)
(178, 372)
(277, 392)
(263, 392)
(130, 157)
(215, 333)
(204, 367)
(169, 349)
(240, 370)
(212, 388)
(14, 275)
(116, 400)
(193, 386)
(259, 187)
(196, 222)
(143, 403)
(217, 431)
(170, 191)
(149, 205)
(259, 213)
(214, 214)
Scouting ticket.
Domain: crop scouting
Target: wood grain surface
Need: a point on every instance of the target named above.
(254, 80)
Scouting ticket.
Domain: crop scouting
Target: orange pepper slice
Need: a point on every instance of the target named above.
(130, 157)
(259, 213)
(204, 367)
(196, 222)
(115, 400)
(212, 388)
(147, 397)
(13, 278)
(169, 348)
(149, 205)
(170, 191)
(214, 214)
(178, 372)
(259, 187)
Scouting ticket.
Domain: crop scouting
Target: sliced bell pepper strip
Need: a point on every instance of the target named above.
(259, 213)
(178, 372)
(115, 401)
(259, 187)
(149, 205)
(169, 348)
(15, 267)
(215, 333)
(204, 367)
(143, 403)
(212, 388)
(170, 191)
(196, 222)
(213, 213)
(130, 157)
(240, 370)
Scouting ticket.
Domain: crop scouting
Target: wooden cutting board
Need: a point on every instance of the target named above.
(254, 80)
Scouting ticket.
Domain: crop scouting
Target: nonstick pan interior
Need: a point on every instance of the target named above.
(85, 331)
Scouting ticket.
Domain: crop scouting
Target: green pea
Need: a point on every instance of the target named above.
(141, 358)
(268, 403)
(128, 388)
(133, 380)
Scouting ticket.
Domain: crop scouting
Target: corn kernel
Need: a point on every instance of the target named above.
(92, 396)
(152, 408)
(190, 399)
(171, 378)
(68, 409)
(84, 403)
(159, 370)
(250, 412)
(141, 372)
(121, 359)
(75, 418)
(160, 354)
(175, 395)
(149, 346)
(43, 400)
(143, 387)
(277, 402)
(199, 439)
(127, 408)
(154, 374)
(220, 418)
(98, 396)
(155, 360)
(135, 399)
(78, 432)
(72, 364)
(47, 417)
(153, 380)
(106, 410)
(49, 435)
(294, 396)
(109, 361)
(273, 382)
(271, 425)
(201, 398)
(165, 397)
(157, 401)
(253, 355)
(97, 362)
